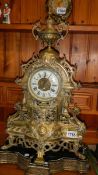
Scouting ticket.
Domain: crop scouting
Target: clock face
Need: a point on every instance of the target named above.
(44, 84)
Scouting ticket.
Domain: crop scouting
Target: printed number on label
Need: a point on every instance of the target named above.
(72, 134)
(61, 10)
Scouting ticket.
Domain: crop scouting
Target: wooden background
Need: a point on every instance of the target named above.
(81, 49)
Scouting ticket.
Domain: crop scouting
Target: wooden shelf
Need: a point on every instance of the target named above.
(16, 27)
(28, 27)
(83, 28)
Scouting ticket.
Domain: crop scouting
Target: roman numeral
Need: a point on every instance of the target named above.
(54, 85)
(38, 93)
(35, 88)
(33, 83)
(53, 90)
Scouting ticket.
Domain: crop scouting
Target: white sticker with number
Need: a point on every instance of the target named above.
(61, 10)
(72, 134)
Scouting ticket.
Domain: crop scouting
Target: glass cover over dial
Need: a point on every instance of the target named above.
(44, 84)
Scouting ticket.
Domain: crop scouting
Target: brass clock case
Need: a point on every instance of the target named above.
(44, 120)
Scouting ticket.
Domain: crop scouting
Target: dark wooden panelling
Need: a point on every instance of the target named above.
(13, 95)
(86, 99)
(92, 62)
(16, 11)
(8, 110)
(65, 47)
(10, 93)
(28, 46)
(81, 11)
(2, 114)
(79, 55)
(9, 55)
(2, 56)
(32, 11)
(91, 121)
(1, 94)
(83, 100)
(93, 12)
(28, 11)
(11, 66)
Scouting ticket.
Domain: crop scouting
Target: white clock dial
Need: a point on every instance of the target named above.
(44, 84)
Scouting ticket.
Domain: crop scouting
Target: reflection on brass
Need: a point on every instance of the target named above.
(43, 120)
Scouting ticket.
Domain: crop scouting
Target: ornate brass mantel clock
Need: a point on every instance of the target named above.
(44, 122)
